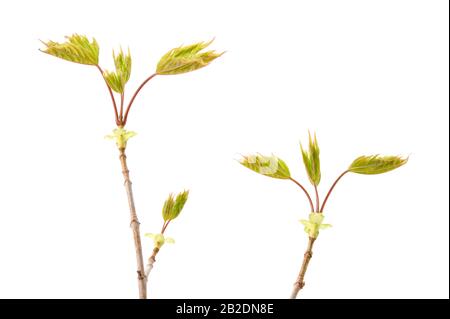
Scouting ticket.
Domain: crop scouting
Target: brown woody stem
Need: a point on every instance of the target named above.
(150, 262)
(300, 283)
(142, 282)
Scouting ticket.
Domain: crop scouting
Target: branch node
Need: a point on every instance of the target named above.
(141, 276)
(134, 221)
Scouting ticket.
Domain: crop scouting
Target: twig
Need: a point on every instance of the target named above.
(150, 262)
(300, 283)
(142, 282)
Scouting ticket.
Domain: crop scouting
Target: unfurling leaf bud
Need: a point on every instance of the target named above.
(77, 49)
(122, 63)
(186, 59)
(173, 207)
(117, 80)
(311, 160)
(375, 164)
(168, 207)
(271, 166)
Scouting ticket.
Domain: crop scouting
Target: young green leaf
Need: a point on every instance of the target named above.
(375, 164)
(173, 207)
(114, 81)
(168, 207)
(121, 136)
(117, 80)
(186, 59)
(122, 63)
(271, 166)
(314, 224)
(77, 49)
(180, 200)
(159, 239)
(311, 160)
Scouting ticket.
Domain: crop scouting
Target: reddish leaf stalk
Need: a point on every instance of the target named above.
(122, 97)
(305, 191)
(331, 189)
(125, 118)
(317, 198)
(116, 114)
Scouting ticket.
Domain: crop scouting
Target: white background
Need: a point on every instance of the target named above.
(367, 76)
